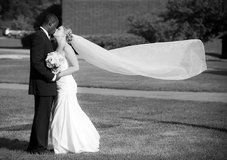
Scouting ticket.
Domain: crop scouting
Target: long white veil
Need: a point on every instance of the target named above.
(175, 60)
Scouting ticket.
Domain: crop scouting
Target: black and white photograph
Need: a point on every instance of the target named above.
(113, 79)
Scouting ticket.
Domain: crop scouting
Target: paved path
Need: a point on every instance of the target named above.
(13, 56)
(16, 51)
(191, 96)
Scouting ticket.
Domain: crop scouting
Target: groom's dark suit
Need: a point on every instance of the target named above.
(43, 88)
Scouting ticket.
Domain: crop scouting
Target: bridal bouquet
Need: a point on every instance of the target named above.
(54, 61)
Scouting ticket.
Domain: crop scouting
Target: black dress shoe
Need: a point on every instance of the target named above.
(40, 151)
(44, 152)
(51, 150)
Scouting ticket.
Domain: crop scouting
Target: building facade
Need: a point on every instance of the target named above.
(88, 17)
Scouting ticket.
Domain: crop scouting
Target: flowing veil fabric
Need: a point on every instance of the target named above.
(175, 60)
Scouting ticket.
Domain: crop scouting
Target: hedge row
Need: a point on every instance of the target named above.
(115, 40)
(105, 41)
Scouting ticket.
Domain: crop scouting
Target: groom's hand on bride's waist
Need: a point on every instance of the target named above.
(57, 77)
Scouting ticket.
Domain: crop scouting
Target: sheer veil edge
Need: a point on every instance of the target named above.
(175, 60)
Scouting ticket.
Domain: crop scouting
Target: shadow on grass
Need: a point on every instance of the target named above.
(17, 128)
(214, 55)
(104, 125)
(222, 73)
(179, 123)
(29, 126)
(13, 144)
(9, 47)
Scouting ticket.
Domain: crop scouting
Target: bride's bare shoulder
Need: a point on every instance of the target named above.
(68, 49)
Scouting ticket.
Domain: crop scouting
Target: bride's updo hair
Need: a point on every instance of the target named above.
(68, 33)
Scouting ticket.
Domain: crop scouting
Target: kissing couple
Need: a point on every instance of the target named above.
(70, 128)
(57, 110)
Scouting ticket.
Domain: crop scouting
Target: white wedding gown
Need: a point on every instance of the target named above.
(71, 130)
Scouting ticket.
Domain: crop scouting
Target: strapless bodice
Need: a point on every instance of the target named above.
(66, 83)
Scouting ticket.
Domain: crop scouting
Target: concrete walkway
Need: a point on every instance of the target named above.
(15, 51)
(187, 96)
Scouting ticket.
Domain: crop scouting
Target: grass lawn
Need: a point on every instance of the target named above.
(130, 128)
(17, 71)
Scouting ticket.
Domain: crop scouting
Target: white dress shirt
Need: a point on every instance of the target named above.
(45, 32)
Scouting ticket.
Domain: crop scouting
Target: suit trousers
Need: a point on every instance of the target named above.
(40, 126)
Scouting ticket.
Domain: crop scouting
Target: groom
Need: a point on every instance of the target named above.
(41, 84)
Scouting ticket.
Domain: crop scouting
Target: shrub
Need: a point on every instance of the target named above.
(144, 26)
(21, 23)
(202, 19)
(111, 41)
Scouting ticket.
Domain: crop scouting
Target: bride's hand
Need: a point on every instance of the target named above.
(58, 75)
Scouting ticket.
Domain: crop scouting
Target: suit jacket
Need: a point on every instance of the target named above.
(40, 81)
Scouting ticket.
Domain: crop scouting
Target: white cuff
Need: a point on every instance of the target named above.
(55, 76)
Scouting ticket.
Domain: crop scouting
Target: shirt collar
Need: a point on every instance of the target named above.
(45, 32)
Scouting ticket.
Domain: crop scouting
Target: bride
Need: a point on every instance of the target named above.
(71, 129)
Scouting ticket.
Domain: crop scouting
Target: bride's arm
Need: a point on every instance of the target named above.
(72, 60)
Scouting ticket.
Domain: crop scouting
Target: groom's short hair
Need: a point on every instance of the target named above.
(50, 18)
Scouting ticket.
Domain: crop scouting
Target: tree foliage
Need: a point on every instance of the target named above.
(23, 11)
(183, 19)
(21, 22)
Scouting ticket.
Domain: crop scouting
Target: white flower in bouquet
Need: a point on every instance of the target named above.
(54, 61)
